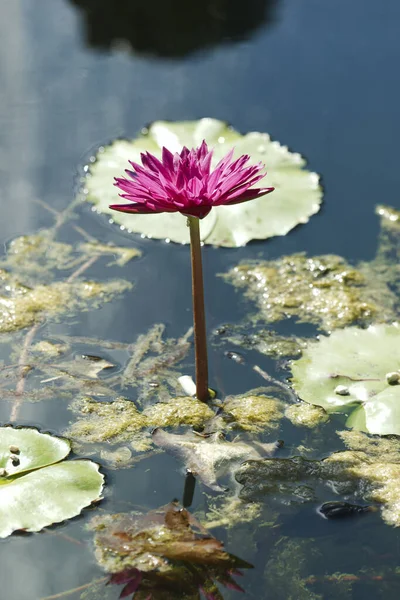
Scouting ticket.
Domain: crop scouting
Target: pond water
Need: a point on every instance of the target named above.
(317, 76)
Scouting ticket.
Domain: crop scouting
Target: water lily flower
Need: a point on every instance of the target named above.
(184, 182)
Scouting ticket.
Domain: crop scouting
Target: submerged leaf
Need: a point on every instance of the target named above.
(297, 195)
(164, 550)
(353, 368)
(212, 456)
(34, 491)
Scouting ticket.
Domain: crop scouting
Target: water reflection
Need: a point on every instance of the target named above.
(173, 28)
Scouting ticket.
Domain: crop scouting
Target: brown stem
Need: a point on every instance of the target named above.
(199, 319)
(23, 370)
(90, 261)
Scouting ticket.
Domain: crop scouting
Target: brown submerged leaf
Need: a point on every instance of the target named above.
(165, 550)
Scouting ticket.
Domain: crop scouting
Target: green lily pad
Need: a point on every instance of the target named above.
(297, 193)
(36, 489)
(349, 372)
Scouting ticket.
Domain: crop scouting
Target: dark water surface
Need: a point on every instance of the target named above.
(321, 77)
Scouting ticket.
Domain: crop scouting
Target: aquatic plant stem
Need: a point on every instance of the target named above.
(85, 586)
(199, 318)
(23, 370)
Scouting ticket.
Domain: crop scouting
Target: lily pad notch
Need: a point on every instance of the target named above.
(296, 198)
(37, 486)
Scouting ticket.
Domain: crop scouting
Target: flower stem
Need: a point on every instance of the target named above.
(199, 319)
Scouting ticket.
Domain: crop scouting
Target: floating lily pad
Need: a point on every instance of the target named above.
(351, 370)
(297, 195)
(35, 491)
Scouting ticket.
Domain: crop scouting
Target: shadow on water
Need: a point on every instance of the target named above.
(171, 29)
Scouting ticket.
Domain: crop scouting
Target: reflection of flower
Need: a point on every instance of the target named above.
(165, 554)
(144, 586)
(184, 182)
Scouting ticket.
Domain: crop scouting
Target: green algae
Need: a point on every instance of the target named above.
(369, 468)
(177, 412)
(230, 511)
(383, 272)
(121, 423)
(36, 255)
(254, 336)
(49, 349)
(323, 290)
(112, 422)
(285, 571)
(306, 415)
(373, 445)
(375, 462)
(254, 412)
(30, 306)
